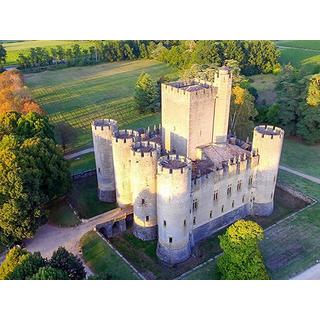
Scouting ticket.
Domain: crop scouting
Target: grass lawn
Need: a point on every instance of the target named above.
(84, 199)
(302, 157)
(17, 47)
(102, 259)
(78, 95)
(265, 85)
(83, 163)
(293, 245)
(304, 44)
(61, 214)
(207, 272)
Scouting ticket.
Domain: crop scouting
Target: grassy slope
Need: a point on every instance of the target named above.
(102, 259)
(80, 94)
(302, 157)
(304, 44)
(15, 48)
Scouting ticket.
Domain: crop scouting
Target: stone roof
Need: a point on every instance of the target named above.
(190, 86)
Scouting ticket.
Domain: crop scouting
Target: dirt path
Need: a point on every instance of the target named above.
(48, 237)
(78, 154)
(300, 174)
(297, 48)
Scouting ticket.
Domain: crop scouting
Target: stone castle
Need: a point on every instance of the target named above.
(187, 178)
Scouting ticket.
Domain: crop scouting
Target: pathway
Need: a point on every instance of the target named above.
(48, 237)
(312, 273)
(297, 48)
(78, 154)
(300, 174)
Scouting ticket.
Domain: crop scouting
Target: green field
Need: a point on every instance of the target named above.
(304, 44)
(15, 48)
(78, 95)
(102, 259)
(302, 157)
(293, 245)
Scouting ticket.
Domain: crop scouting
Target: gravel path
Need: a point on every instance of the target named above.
(78, 154)
(300, 174)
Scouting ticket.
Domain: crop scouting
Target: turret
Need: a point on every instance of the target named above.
(102, 142)
(267, 142)
(121, 149)
(144, 158)
(173, 208)
(223, 81)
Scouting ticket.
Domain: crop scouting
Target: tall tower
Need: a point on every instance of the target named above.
(187, 116)
(144, 158)
(267, 141)
(173, 208)
(223, 81)
(102, 143)
(121, 149)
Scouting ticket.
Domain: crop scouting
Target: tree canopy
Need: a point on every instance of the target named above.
(241, 258)
(145, 92)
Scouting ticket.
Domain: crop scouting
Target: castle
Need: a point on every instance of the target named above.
(187, 178)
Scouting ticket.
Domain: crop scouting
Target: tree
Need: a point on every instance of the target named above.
(313, 92)
(3, 54)
(66, 261)
(13, 258)
(145, 92)
(28, 267)
(49, 273)
(241, 258)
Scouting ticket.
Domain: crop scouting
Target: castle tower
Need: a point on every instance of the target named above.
(267, 141)
(173, 208)
(144, 158)
(102, 142)
(121, 150)
(187, 111)
(223, 81)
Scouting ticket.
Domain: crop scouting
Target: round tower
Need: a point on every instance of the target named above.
(121, 150)
(173, 208)
(267, 142)
(102, 143)
(144, 157)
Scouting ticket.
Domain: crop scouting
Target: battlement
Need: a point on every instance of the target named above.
(173, 164)
(145, 148)
(224, 70)
(194, 87)
(125, 135)
(101, 124)
(267, 131)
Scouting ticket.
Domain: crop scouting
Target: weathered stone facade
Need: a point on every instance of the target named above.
(187, 178)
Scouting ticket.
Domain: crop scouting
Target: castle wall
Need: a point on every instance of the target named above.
(173, 210)
(267, 141)
(102, 142)
(223, 81)
(121, 150)
(144, 189)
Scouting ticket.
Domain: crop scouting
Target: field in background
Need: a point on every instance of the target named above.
(304, 44)
(15, 48)
(78, 95)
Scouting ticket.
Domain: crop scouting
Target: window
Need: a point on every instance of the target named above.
(164, 223)
(250, 181)
(210, 214)
(274, 179)
(99, 170)
(222, 208)
(185, 222)
(215, 195)
(194, 220)
(229, 190)
(242, 199)
(232, 203)
(239, 185)
(143, 201)
(195, 205)
(147, 218)
(170, 239)
(271, 196)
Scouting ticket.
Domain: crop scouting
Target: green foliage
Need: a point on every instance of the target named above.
(313, 94)
(13, 258)
(241, 258)
(3, 54)
(145, 93)
(32, 172)
(49, 273)
(69, 263)
(28, 267)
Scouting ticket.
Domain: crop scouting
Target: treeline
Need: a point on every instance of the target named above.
(253, 57)
(297, 108)
(14, 96)
(99, 51)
